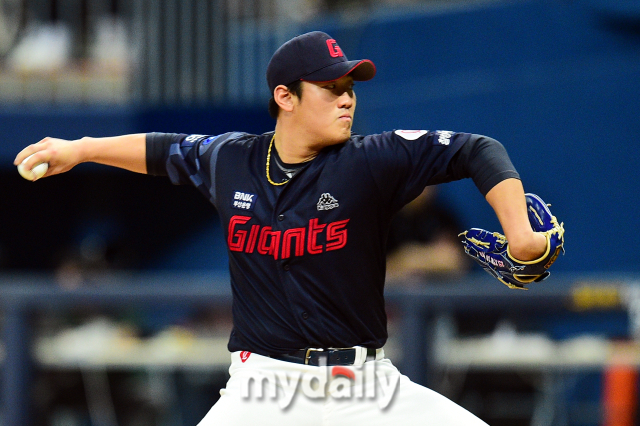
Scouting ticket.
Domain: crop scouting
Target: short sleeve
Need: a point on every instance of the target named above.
(403, 162)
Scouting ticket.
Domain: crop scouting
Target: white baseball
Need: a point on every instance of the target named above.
(34, 174)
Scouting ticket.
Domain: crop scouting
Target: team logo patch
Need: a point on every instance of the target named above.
(410, 135)
(192, 139)
(327, 202)
(244, 355)
(243, 200)
(444, 137)
(334, 49)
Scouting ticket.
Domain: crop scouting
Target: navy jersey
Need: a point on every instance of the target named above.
(307, 259)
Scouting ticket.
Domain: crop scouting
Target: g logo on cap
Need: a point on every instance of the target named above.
(304, 58)
(334, 49)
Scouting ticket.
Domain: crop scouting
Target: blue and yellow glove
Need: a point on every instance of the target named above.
(491, 249)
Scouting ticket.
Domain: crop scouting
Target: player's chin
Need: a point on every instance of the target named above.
(344, 136)
(344, 132)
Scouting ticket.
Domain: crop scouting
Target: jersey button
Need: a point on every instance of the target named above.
(286, 267)
(281, 217)
(305, 315)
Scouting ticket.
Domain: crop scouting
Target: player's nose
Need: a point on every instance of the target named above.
(346, 99)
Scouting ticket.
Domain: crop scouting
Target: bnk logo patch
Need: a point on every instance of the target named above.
(243, 200)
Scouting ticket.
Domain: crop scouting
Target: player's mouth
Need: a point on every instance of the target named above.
(346, 117)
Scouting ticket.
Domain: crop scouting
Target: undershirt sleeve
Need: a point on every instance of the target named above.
(158, 151)
(485, 160)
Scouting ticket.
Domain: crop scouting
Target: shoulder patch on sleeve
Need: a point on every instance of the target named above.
(192, 139)
(410, 135)
(444, 137)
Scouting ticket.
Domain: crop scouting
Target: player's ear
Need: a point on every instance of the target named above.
(283, 97)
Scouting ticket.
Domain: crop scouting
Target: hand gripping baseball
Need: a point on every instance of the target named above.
(491, 249)
(60, 155)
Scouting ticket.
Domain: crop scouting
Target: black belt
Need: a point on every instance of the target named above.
(318, 357)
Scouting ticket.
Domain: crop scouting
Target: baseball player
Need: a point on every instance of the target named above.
(306, 209)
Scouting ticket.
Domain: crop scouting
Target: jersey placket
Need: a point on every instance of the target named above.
(291, 235)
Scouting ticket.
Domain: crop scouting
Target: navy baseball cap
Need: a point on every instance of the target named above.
(314, 56)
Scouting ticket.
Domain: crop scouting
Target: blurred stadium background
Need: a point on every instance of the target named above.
(115, 305)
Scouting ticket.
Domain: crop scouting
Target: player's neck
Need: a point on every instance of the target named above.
(293, 146)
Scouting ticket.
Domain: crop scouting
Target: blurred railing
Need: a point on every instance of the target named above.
(208, 51)
(159, 52)
(22, 297)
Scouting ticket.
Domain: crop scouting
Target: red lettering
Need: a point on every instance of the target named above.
(336, 235)
(236, 239)
(253, 237)
(334, 49)
(289, 234)
(267, 241)
(314, 230)
(271, 247)
(262, 245)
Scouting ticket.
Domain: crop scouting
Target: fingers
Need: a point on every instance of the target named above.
(37, 152)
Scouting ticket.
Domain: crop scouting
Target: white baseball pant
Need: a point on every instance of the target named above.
(269, 392)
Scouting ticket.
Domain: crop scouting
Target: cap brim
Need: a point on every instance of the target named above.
(361, 70)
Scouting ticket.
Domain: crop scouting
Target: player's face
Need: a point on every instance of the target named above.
(327, 110)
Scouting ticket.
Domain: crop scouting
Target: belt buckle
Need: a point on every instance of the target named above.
(307, 355)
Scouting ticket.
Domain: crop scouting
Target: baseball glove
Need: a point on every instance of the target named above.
(491, 249)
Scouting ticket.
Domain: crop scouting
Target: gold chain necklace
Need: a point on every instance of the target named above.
(269, 160)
